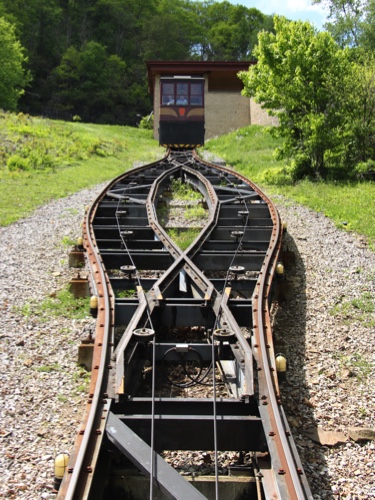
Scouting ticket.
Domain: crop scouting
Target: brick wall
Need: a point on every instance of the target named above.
(259, 116)
(156, 106)
(224, 112)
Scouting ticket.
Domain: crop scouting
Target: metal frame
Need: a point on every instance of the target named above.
(243, 231)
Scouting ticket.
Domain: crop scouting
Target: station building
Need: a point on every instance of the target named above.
(225, 108)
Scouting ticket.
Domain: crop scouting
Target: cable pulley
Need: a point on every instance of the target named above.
(144, 334)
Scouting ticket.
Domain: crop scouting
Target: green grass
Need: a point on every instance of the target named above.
(125, 294)
(42, 160)
(351, 205)
(62, 398)
(365, 303)
(62, 304)
(183, 237)
(49, 368)
(359, 309)
(68, 242)
(181, 190)
(196, 213)
(82, 379)
(249, 150)
(357, 364)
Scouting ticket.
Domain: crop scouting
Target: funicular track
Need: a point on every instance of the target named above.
(197, 318)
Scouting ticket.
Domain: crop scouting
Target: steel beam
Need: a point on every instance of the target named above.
(170, 482)
(179, 406)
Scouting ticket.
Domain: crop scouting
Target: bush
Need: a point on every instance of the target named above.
(33, 161)
(306, 80)
(365, 168)
(280, 176)
(147, 122)
(16, 163)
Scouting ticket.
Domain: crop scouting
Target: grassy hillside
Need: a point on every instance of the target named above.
(351, 205)
(41, 160)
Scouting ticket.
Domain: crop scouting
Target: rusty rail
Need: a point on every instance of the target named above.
(220, 286)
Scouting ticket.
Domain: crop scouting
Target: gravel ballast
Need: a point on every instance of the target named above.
(324, 324)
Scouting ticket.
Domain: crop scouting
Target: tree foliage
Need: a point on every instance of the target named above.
(304, 78)
(351, 22)
(58, 36)
(175, 27)
(360, 114)
(90, 84)
(87, 58)
(229, 31)
(13, 77)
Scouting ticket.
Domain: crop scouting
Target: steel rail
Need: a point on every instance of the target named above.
(286, 478)
(278, 435)
(74, 481)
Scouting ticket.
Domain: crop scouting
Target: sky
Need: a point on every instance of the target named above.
(292, 9)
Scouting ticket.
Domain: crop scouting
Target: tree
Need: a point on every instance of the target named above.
(228, 32)
(360, 111)
(301, 77)
(38, 25)
(119, 25)
(13, 77)
(369, 27)
(57, 34)
(235, 36)
(171, 33)
(90, 84)
(346, 19)
(351, 22)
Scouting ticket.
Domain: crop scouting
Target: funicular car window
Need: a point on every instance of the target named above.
(168, 95)
(196, 91)
(181, 94)
(182, 89)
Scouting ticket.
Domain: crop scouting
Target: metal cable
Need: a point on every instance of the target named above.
(215, 421)
(193, 380)
(213, 346)
(236, 251)
(127, 250)
(152, 453)
(148, 322)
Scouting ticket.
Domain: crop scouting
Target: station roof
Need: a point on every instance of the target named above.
(222, 75)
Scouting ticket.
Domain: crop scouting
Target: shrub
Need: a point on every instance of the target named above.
(147, 122)
(16, 163)
(279, 176)
(365, 168)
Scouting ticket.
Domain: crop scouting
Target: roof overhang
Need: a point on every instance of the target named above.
(224, 72)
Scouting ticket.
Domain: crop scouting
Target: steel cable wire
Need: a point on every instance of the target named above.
(127, 251)
(215, 422)
(152, 452)
(235, 253)
(213, 345)
(138, 280)
(211, 367)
